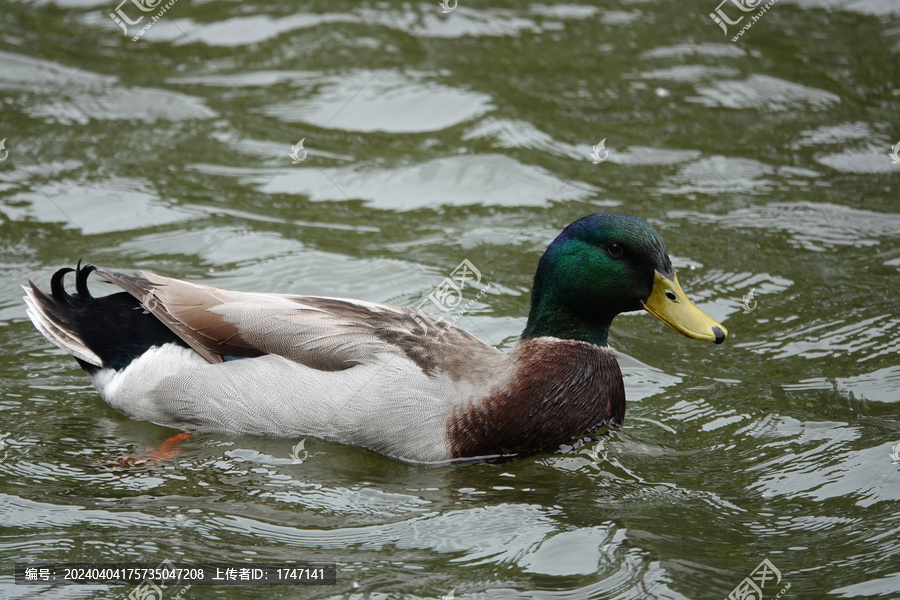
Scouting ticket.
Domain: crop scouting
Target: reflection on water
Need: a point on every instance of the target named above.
(434, 138)
(487, 179)
(389, 102)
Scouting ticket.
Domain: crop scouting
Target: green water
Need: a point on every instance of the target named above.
(434, 138)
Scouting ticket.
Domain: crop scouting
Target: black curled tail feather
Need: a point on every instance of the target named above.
(105, 332)
(58, 286)
(81, 275)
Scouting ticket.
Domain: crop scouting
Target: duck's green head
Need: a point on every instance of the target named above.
(605, 264)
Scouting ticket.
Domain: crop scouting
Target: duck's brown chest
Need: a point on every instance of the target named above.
(557, 390)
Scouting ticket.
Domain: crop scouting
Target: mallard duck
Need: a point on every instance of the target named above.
(205, 359)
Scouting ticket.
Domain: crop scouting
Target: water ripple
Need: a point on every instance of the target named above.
(487, 179)
(393, 102)
(82, 95)
(764, 92)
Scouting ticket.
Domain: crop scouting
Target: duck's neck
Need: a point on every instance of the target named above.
(549, 318)
(566, 327)
(556, 390)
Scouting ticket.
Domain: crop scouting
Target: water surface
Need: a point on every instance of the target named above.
(434, 138)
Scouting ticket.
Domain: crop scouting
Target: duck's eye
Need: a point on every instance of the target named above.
(671, 295)
(614, 250)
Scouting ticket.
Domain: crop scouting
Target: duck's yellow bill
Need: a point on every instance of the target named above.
(669, 304)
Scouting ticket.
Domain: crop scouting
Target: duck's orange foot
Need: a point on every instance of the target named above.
(165, 451)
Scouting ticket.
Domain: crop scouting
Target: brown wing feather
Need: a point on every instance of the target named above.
(185, 310)
(328, 334)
